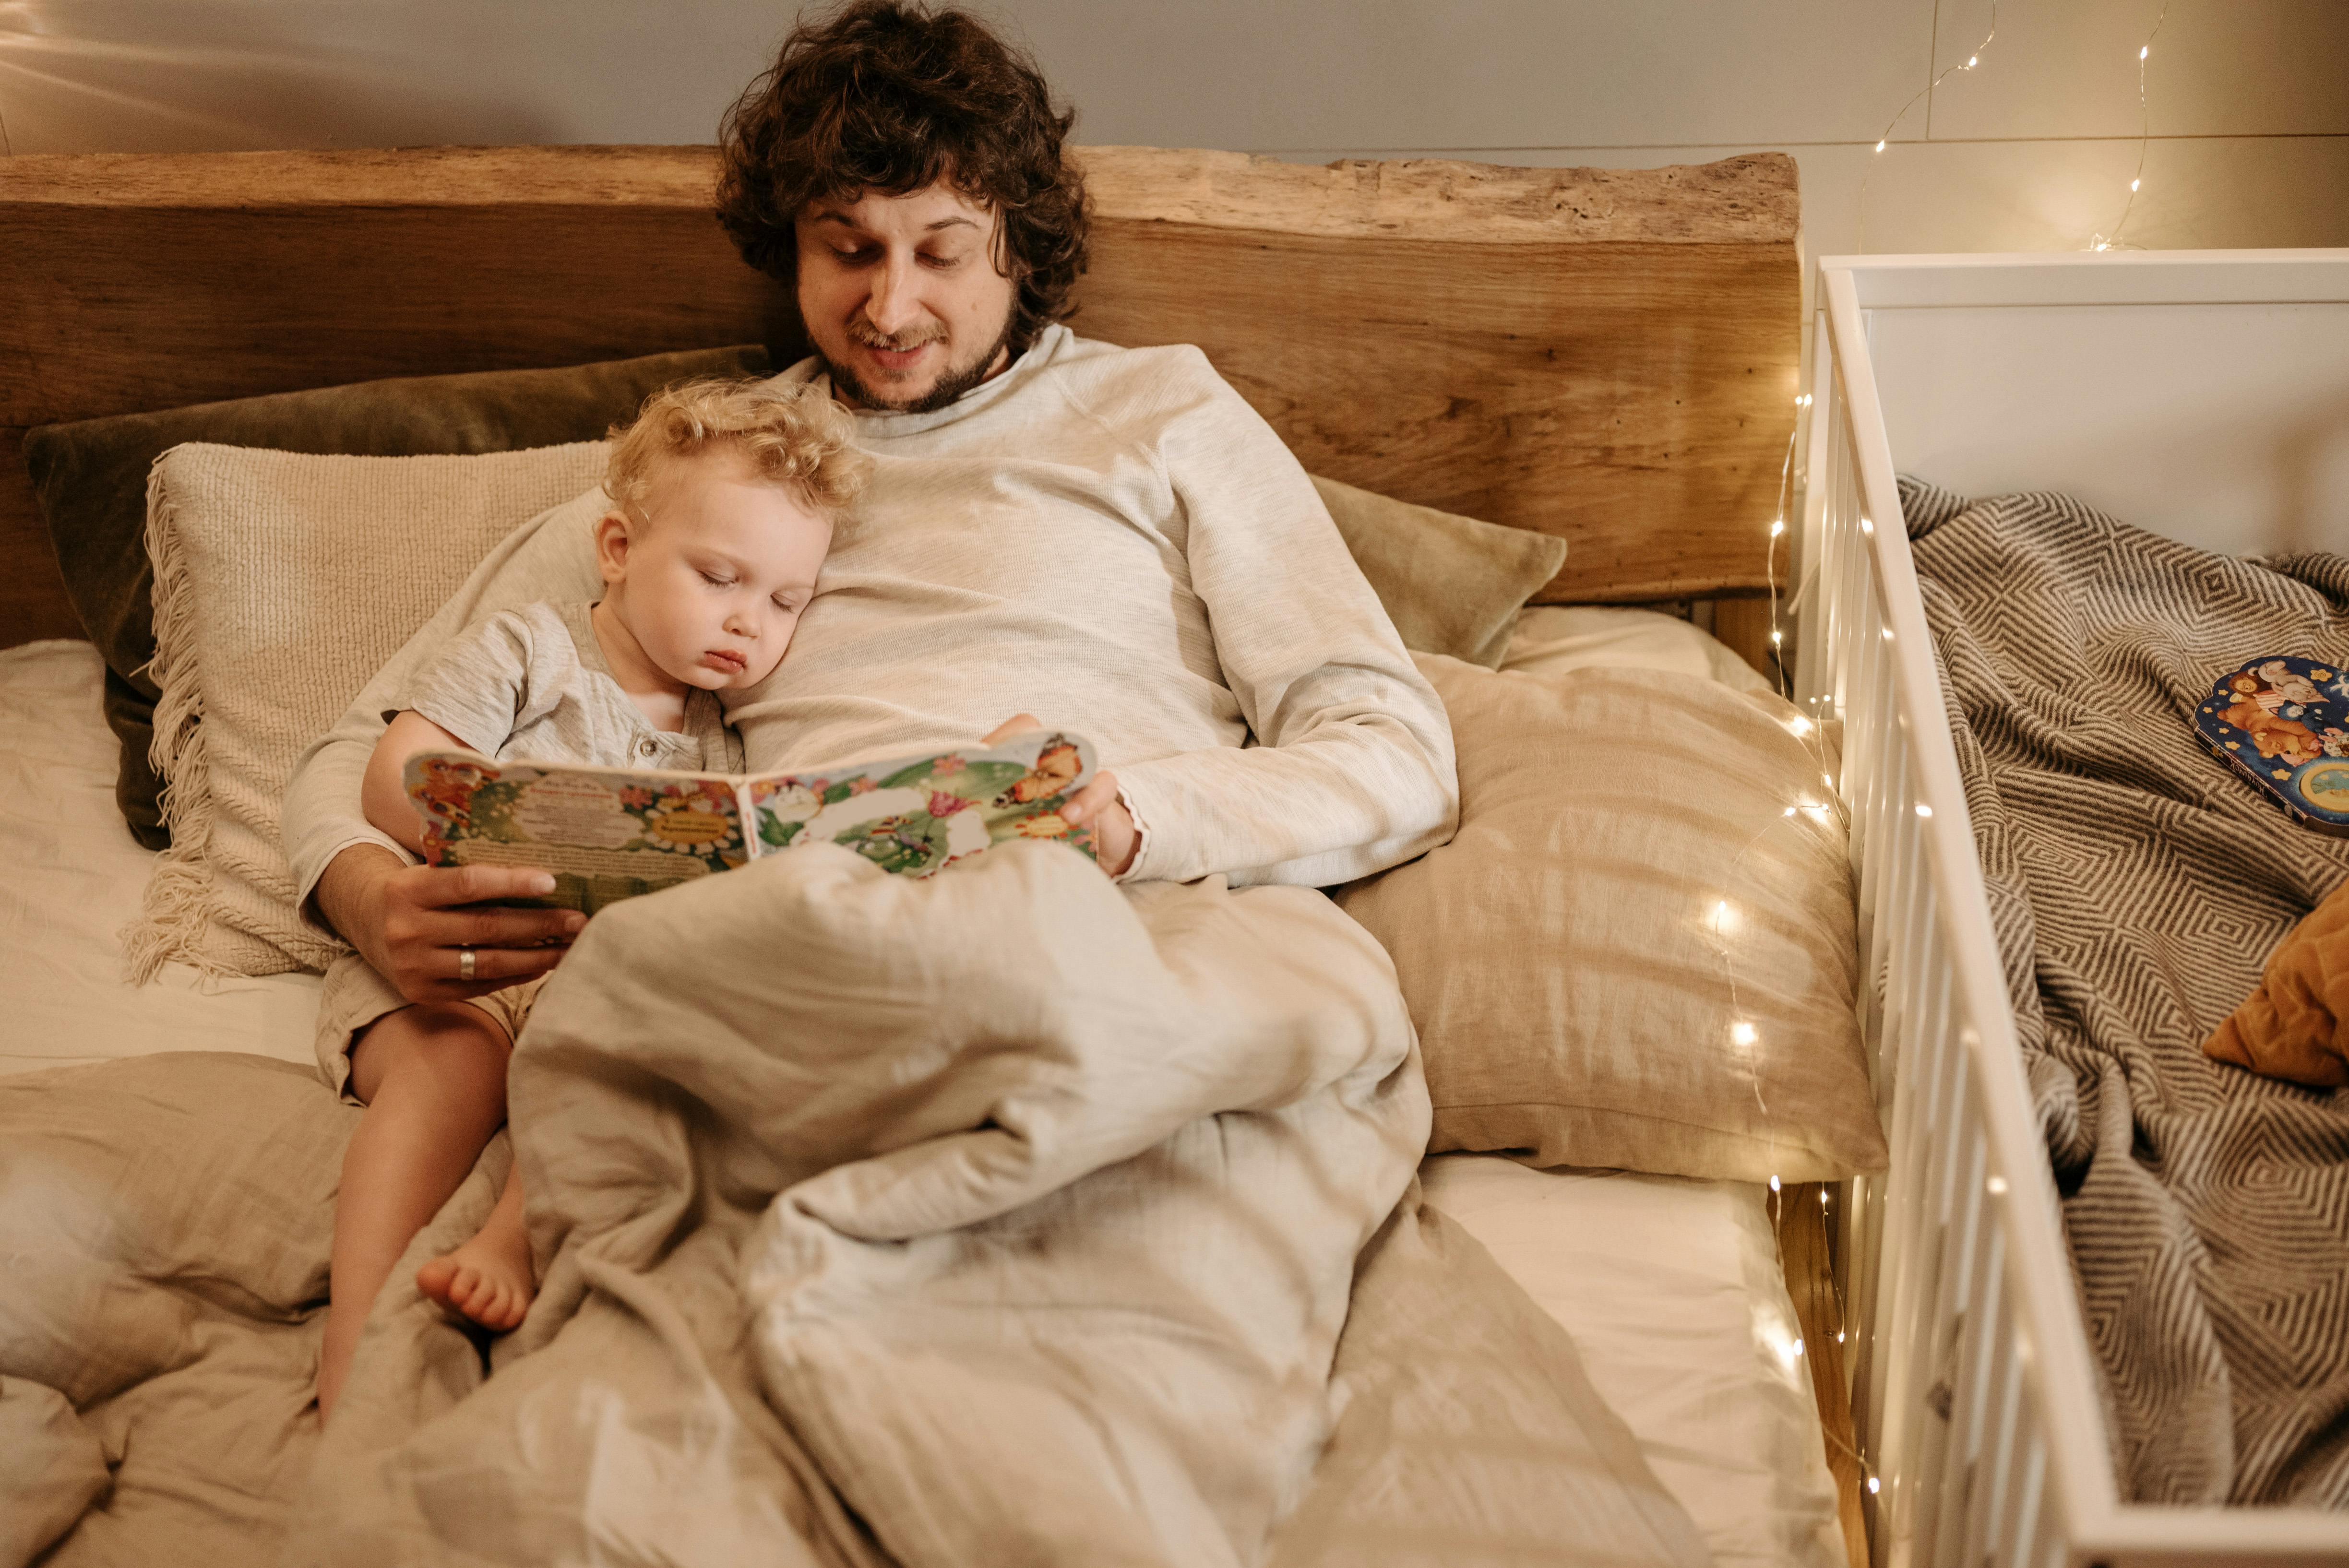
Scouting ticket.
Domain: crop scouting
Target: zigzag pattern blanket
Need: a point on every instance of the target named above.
(2136, 886)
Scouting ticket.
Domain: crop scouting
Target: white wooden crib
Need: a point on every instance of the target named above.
(2200, 394)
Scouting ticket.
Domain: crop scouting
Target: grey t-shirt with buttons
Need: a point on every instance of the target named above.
(531, 684)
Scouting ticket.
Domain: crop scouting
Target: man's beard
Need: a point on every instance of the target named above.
(953, 383)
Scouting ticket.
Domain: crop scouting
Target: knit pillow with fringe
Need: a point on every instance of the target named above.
(282, 582)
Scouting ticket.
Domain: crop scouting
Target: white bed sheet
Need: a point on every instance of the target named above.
(75, 877)
(1671, 1288)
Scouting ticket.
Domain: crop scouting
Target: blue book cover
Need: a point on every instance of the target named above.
(2284, 723)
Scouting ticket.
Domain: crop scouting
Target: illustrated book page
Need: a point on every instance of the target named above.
(611, 833)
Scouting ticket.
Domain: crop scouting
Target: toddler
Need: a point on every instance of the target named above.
(723, 496)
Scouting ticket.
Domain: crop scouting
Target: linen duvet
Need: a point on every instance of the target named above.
(1008, 1216)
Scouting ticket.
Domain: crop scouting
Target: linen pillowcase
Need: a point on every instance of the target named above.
(283, 582)
(1630, 955)
(91, 478)
(1452, 584)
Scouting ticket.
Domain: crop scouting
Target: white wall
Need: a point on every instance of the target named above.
(2032, 149)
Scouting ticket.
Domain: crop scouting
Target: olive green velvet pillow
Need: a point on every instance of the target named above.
(1452, 584)
(92, 478)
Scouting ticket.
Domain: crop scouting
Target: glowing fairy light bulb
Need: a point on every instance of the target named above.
(2141, 54)
(1868, 526)
(1874, 1486)
(1774, 1183)
(1923, 809)
(1777, 527)
(1743, 1034)
(1879, 146)
(1973, 60)
(2135, 183)
(1778, 639)
(1799, 725)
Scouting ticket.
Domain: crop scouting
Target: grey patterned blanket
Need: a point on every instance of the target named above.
(2138, 887)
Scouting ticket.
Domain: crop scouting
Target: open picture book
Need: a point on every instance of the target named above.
(610, 833)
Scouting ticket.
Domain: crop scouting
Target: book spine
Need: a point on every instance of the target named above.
(747, 814)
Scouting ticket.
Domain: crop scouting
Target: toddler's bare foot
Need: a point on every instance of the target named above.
(488, 1279)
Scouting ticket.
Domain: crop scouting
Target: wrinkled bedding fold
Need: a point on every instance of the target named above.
(1005, 1216)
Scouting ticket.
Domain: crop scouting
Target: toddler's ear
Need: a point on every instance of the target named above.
(612, 544)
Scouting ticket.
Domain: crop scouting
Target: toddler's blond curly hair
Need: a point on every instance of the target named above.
(791, 433)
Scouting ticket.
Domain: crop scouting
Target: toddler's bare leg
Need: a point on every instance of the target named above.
(489, 1279)
(433, 1077)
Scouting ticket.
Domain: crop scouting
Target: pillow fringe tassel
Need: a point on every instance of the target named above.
(172, 923)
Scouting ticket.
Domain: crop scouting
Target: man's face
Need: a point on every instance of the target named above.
(902, 298)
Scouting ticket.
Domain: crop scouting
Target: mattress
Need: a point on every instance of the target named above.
(1672, 1289)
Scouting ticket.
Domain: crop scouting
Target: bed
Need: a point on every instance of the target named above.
(1638, 403)
(2195, 396)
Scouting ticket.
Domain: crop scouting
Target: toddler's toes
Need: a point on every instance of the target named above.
(436, 1278)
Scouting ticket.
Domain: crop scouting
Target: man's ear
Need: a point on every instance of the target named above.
(612, 547)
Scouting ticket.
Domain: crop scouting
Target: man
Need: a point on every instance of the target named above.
(1162, 1191)
(1108, 538)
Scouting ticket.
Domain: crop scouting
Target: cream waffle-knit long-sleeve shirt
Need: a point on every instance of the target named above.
(1109, 538)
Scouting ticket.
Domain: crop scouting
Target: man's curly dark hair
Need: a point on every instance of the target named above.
(888, 96)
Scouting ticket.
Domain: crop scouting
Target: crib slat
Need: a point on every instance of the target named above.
(1969, 1410)
(1993, 1462)
(1939, 1336)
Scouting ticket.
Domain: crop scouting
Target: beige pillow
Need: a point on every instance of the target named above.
(1630, 955)
(282, 582)
(1450, 585)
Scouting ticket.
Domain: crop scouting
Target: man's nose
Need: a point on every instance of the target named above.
(893, 305)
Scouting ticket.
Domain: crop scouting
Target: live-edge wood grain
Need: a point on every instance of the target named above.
(1609, 356)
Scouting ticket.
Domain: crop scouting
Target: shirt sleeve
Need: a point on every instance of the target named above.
(552, 556)
(1353, 768)
(479, 689)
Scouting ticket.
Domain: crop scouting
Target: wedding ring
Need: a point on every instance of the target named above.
(464, 964)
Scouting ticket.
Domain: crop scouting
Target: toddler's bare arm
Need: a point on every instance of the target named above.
(384, 794)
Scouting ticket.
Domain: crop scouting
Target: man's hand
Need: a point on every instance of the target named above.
(413, 922)
(1116, 839)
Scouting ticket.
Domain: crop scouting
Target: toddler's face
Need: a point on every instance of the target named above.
(713, 589)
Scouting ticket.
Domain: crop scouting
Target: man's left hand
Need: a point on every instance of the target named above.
(1116, 839)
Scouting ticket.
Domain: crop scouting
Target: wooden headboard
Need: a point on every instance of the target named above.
(1610, 355)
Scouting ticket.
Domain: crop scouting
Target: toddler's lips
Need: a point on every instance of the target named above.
(725, 661)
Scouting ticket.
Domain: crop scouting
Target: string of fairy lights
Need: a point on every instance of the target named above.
(2099, 240)
(2143, 136)
(1721, 918)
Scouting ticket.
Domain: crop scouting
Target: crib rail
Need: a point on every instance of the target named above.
(1975, 1394)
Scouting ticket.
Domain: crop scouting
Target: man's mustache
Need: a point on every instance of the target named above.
(863, 332)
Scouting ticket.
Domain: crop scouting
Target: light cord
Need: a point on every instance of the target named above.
(2144, 140)
(1924, 93)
